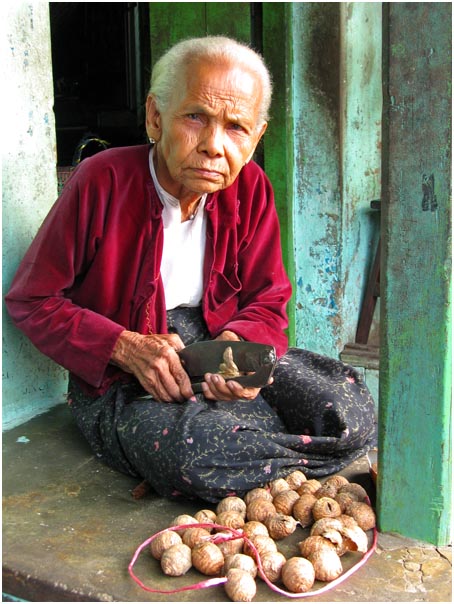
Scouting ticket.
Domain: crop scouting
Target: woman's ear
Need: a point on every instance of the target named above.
(153, 119)
(259, 134)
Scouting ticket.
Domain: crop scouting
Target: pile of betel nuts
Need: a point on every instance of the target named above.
(337, 514)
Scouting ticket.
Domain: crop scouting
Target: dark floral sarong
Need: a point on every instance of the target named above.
(317, 416)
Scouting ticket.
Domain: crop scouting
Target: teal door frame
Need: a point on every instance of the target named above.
(415, 457)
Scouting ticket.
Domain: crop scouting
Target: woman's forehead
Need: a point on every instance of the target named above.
(212, 86)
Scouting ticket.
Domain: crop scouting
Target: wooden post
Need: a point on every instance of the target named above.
(278, 141)
(414, 472)
(171, 22)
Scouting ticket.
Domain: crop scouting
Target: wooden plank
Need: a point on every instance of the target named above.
(370, 301)
(278, 140)
(414, 480)
(231, 19)
(361, 355)
(171, 22)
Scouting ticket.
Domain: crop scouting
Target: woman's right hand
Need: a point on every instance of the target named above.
(154, 361)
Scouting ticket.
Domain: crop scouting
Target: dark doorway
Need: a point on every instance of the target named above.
(100, 61)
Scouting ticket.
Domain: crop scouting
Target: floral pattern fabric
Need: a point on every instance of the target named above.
(317, 416)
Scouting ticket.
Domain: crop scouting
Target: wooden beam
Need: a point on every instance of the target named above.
(171, 22)
(414, 474)
(278, 140)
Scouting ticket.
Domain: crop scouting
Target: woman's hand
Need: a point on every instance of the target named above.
(215, 387)
(154, 361)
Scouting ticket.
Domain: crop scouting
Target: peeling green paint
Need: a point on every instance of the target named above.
(415, 366)
(336, 123)
(398, 50)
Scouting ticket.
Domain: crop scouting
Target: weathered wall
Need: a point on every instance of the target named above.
(323, 156)
(31, 383)
(337, 104)
(415, 371)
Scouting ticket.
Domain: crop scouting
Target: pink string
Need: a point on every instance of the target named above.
(202, 584)
(230, 535)
(331, 584)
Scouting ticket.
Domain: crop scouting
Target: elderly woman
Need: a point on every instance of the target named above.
(153, 247)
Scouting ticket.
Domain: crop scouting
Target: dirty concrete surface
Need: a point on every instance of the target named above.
(71, 527)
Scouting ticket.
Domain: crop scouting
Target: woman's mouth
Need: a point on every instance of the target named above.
(208, 174)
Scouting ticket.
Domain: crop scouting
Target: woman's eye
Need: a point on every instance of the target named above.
(193, 116)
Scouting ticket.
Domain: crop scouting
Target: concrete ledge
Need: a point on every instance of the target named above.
(71, 527)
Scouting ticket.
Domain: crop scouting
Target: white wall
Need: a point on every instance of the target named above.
(31, 383)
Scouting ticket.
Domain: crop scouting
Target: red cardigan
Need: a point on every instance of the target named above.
(94, 265)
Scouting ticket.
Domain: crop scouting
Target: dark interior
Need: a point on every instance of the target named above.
(100, 61)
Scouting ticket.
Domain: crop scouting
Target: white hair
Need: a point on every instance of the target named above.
(169, 69)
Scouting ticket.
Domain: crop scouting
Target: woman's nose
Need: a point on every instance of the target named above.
(212, 141)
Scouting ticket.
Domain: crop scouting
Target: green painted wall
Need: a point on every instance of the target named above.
(360, 152)
(278, 141)
(414, 488)
(171, 22)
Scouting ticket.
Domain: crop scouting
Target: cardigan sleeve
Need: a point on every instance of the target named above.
(39, 300)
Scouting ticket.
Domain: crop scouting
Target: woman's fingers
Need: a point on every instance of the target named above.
(154, 360)
(164, 377)
(216, 387)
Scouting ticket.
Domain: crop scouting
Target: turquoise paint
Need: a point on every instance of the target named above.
(360, 116)
(315, 171)
(415, 464)
(10, 598)
(372, 379)
(336, 120)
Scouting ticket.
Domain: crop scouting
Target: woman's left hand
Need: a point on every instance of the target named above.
(216, 388)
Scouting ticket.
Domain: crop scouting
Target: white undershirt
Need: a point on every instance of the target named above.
(184, 249)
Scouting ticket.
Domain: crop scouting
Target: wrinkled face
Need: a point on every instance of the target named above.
(209, 131)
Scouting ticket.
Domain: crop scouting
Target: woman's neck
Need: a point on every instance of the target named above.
(189, 200)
